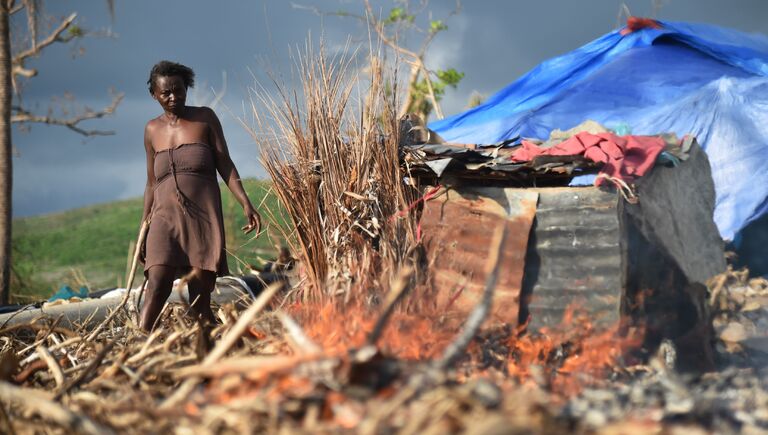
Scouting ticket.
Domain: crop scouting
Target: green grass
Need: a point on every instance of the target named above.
(94, 242)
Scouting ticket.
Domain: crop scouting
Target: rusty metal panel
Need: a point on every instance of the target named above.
(564, 250)
(573, 256)
(458, 225)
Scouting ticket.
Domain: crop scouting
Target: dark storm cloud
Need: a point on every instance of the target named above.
(491, 42)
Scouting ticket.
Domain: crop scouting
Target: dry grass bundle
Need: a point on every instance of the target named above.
(335, 166)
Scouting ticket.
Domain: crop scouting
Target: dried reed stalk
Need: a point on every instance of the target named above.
(38, 404)
(336, 168)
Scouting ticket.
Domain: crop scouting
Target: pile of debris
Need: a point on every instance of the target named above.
(261, 370)
(740, 317)
(588, 148)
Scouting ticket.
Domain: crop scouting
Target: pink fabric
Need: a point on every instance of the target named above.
(637, 23)
(624, 157)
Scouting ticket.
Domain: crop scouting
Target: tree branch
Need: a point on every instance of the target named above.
(320, 13)
(23, 116)
(417, 59)
(32, 13)
(21, 71)
(55, 36)
(14, 7)
(431, 91)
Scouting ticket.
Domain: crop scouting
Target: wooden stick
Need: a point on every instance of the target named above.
(302, 344)
(224, 345)
(128, 260)
(58, 343)
(145, 349)
(253, 366)
(88, 371)
(134, 265)
(34, 402)
(239, 328)
(43, 338)
(6, 426)
(395, 295)
(53, 366)
(57, 346)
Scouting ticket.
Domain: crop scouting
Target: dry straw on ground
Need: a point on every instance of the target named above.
(266, 374)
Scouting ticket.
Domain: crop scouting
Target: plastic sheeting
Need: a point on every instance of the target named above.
(682, 78)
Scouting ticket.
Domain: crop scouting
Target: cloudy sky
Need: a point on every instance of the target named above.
(492, 42)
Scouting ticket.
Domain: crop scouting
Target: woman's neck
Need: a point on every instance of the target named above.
(173, 117)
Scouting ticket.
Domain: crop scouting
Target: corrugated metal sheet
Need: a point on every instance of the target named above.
(573, 256)
(458, 226)
(568, 255)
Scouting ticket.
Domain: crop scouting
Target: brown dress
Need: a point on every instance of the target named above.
(187, 229)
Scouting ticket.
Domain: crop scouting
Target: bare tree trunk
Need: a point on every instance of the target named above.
(6, 169)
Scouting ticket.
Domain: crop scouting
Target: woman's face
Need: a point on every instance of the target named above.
(170, 92)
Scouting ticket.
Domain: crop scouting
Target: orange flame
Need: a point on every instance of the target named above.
(569, 356)
(563, 360)
(407, 336)
(575, 353)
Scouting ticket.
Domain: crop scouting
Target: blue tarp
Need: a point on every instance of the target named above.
(683, 78)
(65, 292)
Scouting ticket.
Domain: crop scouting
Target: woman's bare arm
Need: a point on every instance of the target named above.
(229, 173)
(149, 196)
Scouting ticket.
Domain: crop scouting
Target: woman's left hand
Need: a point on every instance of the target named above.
(254, 220)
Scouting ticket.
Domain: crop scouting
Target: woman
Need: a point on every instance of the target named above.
(185, 148)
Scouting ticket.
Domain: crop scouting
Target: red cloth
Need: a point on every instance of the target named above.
(624, 157)
(638, 23)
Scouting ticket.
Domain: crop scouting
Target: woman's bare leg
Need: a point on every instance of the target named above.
(159, 284)
(201, 284)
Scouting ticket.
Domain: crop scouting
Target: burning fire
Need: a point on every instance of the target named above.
(414, 337)
(572, 355)
(568, 356)
(561, 360)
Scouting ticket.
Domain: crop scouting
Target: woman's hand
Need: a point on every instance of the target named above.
(253, 220)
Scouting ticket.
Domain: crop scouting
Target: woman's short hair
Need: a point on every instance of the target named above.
(167, 68)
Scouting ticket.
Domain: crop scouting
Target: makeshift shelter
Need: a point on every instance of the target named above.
(635, 251)
(647, 78)
(633, 103)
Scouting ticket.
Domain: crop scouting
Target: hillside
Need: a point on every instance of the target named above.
(92, 243)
